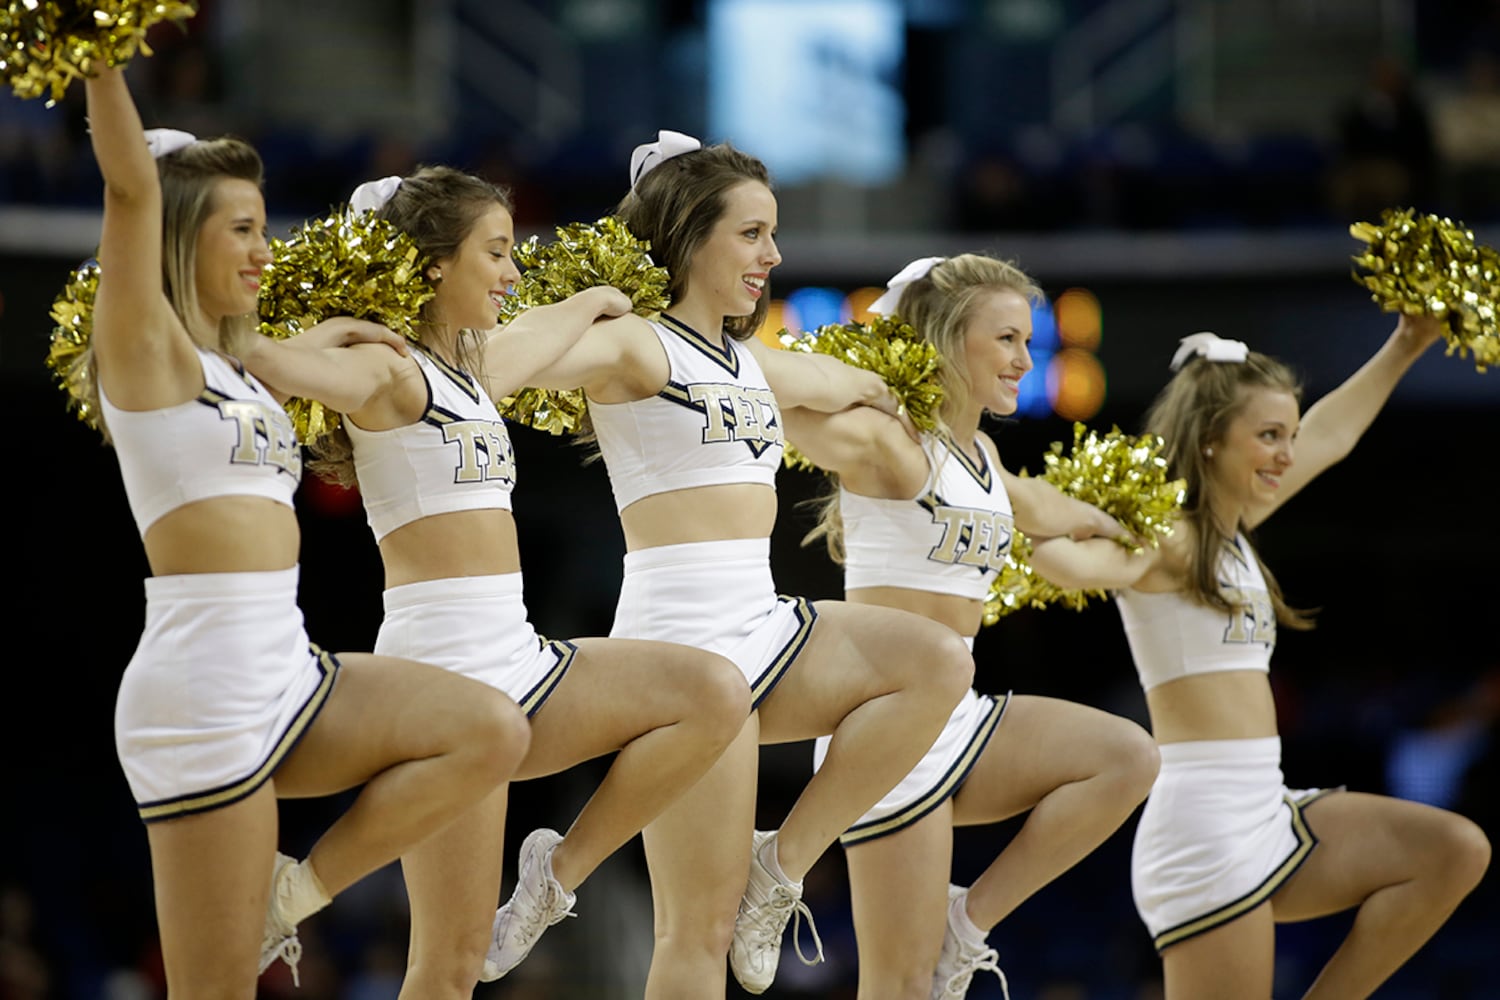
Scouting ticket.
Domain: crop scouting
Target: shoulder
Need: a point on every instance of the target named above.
(991, 450)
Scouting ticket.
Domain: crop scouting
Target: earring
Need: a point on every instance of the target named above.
(1208, 452)
(435, 274)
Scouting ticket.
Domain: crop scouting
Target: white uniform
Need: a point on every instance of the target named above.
(224, 680)
(952, 538)
(715, 422)
(1220, 832)
(457, 457)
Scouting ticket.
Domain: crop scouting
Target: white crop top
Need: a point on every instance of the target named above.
(233, 439)
(950, 539)
(1173, 636)
(457, 457)
(714, 422)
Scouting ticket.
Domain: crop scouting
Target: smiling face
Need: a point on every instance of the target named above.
(729, 270)
(996, 351)
(231, 250)
(1255, 450)
(476, 277)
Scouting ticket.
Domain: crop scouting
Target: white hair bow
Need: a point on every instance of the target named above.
(648, 154)
(162, 141)
(891, 298)
(1210, 347)
(371, 195)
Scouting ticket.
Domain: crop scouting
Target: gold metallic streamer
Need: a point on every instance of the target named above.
(887, 346)
(73, 314)
(345, 264)
(45, 45)
(1122, 475)
(582, 256)
(1428, 265)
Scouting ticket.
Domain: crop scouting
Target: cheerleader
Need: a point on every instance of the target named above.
(226, 705)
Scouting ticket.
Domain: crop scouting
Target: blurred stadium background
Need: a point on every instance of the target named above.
(1162, 166)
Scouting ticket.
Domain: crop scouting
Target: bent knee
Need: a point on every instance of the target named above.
(1466, 855)
(946, 666)
(498, 733)
(1135, 759)
(720, 696)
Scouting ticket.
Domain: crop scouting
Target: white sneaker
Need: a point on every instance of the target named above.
(768, 904)
(280, 938)
(961, 958)
(538, 902)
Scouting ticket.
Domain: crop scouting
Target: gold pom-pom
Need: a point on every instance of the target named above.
(73, 314)
(889, 347)
(45, 45)
(1124, 476)
(345, 264)
(582, 257)
(1428, 265)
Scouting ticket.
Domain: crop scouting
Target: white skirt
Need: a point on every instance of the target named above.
(1220, 833)
(475, 626)
(222, 685)
(716, 596)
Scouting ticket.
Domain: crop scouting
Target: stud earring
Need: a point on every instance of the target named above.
(1208, 452)
(435, 274)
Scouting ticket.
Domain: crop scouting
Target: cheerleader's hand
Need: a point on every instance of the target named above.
(608, 301)
(884, 399)
(1420, 332)
(1095, 523)
(345, 331)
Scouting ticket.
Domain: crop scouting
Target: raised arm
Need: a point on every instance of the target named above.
(819, 382)
(145, 357)
(1333, 425)
(537, 348)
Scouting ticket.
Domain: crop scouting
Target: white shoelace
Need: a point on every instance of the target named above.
(985, 960)
(289, 950)
(541, 917)
(770, 930)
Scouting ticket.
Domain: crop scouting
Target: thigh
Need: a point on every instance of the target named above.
(1040, 745)
(858, 652)
(212, 875)
(617, 689)
(698, 849)
(1235, 961)
(1365, 843)
(898, 886)
(384, 711)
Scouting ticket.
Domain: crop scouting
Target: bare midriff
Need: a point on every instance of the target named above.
(700, 514)
(962, 614)
(234, 534)
(459, 543)
(1226, 705)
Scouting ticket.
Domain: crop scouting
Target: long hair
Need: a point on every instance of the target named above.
(939, 306)
(438, 208)
(1191, 413)
(676, 206)
(189, 178)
